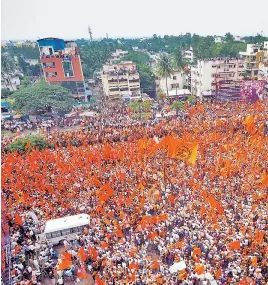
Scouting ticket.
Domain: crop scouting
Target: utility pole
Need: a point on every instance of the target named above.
(90, 33)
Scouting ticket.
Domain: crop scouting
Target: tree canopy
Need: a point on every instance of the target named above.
(42, 97)
(164, 67)
(28, 143)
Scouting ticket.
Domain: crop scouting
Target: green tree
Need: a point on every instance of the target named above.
(22, 64)
(191, 99)
(140, 106)
(159, 94)
(7, 68)
(164, 67)
(42, 97)
(229, 37)
(28, 143)
(178, 61)
(177, 106)
(25, 82)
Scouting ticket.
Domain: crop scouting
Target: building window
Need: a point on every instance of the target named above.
(260, 59)
(174, 77)
(68, 68)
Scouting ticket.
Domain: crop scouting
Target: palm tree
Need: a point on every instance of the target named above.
(178, 61)
(7, 67)
(177, 106)
(164, 67)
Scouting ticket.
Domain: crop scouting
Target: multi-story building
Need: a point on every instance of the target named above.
(120, 80)
(173, 84)
(61, 65)
(117, 56)
(188, 55)
(254, 56)
(207, 72)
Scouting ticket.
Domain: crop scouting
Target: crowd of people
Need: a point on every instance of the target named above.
(151, 207)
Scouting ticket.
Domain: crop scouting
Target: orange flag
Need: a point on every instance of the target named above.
(254, 261)
(66, 255)
(218, 274)
(82, 254)
(235, 245)
(200, 269)
(133, 265)
(182, 274)
(155, 265)
(249, 125)
(92, 253)
(193, 155)
(196, 251)
(18, 219)
(65, 264)
(99, 281)
(81, 273)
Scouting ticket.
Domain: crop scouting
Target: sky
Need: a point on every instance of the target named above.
(69, 19)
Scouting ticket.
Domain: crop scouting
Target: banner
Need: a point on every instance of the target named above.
(247, 90)
(227, 91)
(252, 90)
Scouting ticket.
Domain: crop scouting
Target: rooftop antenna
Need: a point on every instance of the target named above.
(90, 33)
(106, 36)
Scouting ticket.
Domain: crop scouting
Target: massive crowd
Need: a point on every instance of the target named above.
(204, 210)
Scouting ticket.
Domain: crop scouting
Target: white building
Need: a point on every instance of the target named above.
(254, 56)
(120, 80)
(174, 84)
(116, 56)
(10, 82)
(208, 72)
(188, 55)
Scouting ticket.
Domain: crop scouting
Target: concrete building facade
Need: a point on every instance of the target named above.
(61, 65)
(120, 80)
(255, 56)
(207, 72)
(116, 56)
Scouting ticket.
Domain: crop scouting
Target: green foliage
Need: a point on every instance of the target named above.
(164, 67)
(95, 54)
(159, 94)
(42, 97)
(25, 82)
(36, 141)
(7, 64)
(177, 59)
(191, 99)
(6, 93)
(140, 106)
(177, 105)
(27, 52)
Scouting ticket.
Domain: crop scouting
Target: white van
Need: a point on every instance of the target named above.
(65, 228)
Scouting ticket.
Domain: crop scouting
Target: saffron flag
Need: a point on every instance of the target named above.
(200, 269)
(235, 245)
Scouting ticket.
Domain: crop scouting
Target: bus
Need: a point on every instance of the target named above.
(58, 230)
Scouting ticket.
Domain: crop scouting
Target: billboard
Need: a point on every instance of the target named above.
(252, 90)
(227, 91)
(246, 90)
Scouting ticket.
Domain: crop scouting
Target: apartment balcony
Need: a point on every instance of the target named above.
(134, 81)
(134, 76)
